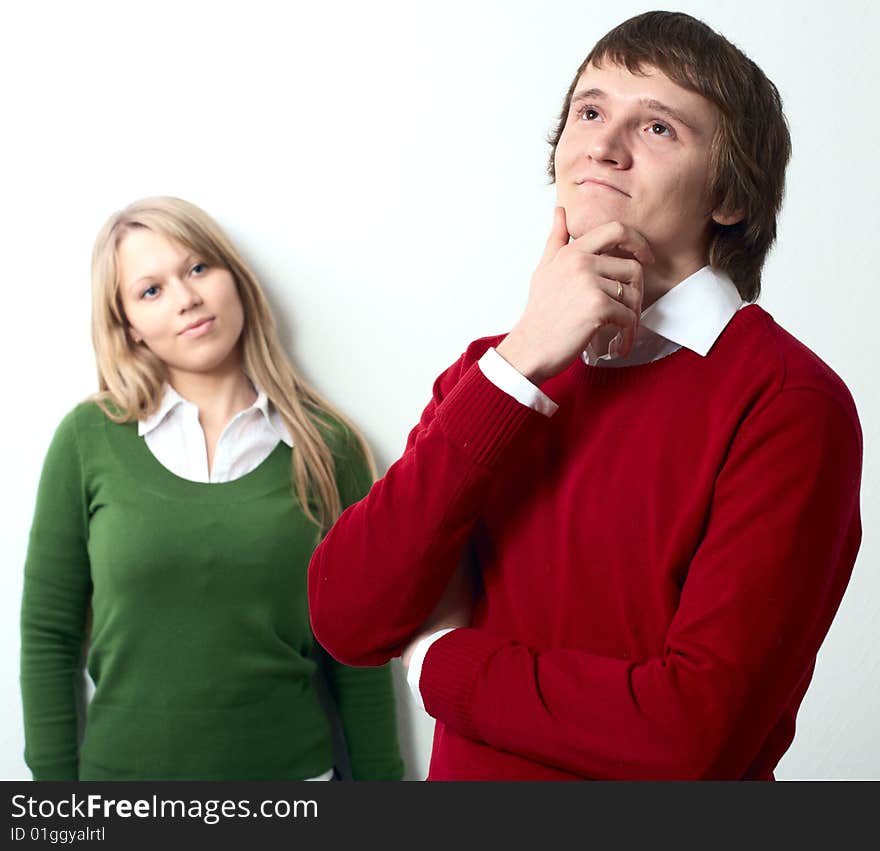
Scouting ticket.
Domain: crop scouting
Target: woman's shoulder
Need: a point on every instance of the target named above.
(354, 468)
(351, 455)
(87, 417)
(73, 439)
(339, 436)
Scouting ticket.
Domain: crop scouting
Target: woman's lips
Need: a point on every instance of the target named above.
(197, 330)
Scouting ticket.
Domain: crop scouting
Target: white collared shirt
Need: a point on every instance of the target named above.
(175, 437)
(692, 315)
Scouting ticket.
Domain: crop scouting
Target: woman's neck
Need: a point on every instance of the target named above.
(218, 395)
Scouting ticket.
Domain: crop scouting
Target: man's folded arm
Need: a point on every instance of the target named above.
(759, 596)
(384, 565)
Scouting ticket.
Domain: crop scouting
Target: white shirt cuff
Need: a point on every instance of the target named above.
(515, 384)
(414, 674)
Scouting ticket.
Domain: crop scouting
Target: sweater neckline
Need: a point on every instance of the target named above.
(745, 318)
(133, 451)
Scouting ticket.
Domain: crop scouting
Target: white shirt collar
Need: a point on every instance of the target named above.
(171, 400)
(695, 312)
(272, 416)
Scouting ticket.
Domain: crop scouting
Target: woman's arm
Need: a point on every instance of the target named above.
(365, 702)
(364, 697)
(55, 601)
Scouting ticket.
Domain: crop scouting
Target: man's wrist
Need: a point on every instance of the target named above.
(512, 382)
(517, 355)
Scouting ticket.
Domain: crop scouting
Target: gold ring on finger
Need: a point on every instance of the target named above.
(619, 291)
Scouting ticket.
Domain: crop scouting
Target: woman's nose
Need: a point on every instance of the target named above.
(187, 295)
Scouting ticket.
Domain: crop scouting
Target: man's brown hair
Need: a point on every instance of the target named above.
(751, 147)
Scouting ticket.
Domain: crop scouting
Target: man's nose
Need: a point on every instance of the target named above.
(608, 145)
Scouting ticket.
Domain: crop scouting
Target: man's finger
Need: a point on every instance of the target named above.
(630, 295)
(558, 235)
(626, 319)
(618, 269)
(615, 235)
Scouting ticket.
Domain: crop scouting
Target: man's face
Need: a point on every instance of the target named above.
(635, 149)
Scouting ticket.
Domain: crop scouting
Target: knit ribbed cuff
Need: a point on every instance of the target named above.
(56, 771)
(450, 672)
(482, 419)
(414, 671)
(513, 383)
(389, 768)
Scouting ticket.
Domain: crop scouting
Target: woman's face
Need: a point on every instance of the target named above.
(185, 311)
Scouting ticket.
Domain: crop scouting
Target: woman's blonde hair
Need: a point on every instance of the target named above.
(131, 378)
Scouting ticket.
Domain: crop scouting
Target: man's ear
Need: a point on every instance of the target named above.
(723, 218)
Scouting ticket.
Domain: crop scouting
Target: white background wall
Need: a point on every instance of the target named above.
(382, 166)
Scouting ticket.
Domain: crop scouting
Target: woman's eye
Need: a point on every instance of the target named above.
(150, 292)
(198, 269)
(659, 129)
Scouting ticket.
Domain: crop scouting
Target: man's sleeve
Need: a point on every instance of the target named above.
(57, 590)
(384, 565)
(364, 697)
(414, 670)
(507, 378)
(760, 594)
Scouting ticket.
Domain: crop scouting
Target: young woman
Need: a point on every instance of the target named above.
(175, 518)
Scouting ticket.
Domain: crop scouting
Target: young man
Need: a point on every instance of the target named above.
(655, 486)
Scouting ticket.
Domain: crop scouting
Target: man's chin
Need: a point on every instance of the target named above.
(584, 222)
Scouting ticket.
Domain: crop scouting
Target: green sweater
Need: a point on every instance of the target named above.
(201, 651)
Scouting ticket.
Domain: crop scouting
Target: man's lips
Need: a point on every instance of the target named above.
(597, 181)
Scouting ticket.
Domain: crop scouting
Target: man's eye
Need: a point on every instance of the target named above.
(588, 113)
(660, 129)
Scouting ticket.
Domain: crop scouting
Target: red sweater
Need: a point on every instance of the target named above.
(661, 561)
